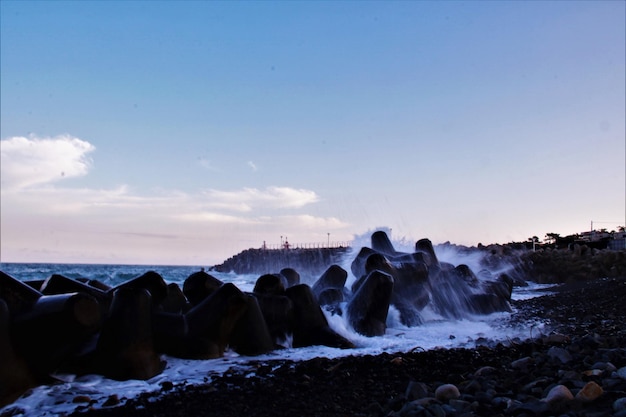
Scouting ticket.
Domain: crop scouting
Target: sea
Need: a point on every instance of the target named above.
(436, 333)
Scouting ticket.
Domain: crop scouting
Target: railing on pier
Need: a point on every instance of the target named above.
(313, 245)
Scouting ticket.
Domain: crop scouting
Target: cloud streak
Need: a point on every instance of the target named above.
(31, 161)
(39, 211)
(247, 199)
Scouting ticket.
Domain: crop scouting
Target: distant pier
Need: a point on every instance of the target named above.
(306, 259)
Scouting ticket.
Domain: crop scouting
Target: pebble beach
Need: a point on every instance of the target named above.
(576, 366)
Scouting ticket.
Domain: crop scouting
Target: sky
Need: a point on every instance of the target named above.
(182, 132)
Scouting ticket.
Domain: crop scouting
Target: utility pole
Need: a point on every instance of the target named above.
(328, 244)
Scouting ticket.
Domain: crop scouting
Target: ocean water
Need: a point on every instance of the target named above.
(436, 332)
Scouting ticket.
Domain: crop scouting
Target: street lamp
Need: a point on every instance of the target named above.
(328, 244)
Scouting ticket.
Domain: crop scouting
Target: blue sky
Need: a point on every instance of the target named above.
(184, 132)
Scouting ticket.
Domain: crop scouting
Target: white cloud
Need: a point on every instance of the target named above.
(272, 197)
(70, 224)
(26, 162)
(213, 217)
(207, 164)
(253, 166)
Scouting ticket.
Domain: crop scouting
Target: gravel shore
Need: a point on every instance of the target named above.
(578, 369)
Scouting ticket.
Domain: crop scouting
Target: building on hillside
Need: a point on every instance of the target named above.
(594, 235)
(617, 244)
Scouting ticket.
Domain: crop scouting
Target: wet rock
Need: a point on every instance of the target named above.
(333, 278)
(270, 284)
(199, 286)
(369, 307)
(111, 401)
(125, 346)
(310, 325)
(555, 339)
(560, 354)
(522, 363)
(590, 392)
(559, 394)
(81, 399)
(447, 392)
(533, 408)
(485, 370)
(460, 405)
(416, 390)
(619, 405)
(151, 281)
(291, 275)
(436, 410)
(166, 385)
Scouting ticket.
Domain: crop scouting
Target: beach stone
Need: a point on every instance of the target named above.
(522, 363)
(604, 366)
(166, 385)
(610, 367)
(559, 353)
(619, 404)
(81, 399)
(472, 386)
(111, 401)
(590, 392)
(535, 408)
(555, 339)
(416, 390)
(411, 408)
(502, 402)
(559, 393)
(485, 370)
(460, 405)
(621, 372)
(593, 372)
(425, 401)
(536, 386)
(447, 392)
(436, 410)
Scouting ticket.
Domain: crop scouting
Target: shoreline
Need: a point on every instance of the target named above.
(588, 346)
